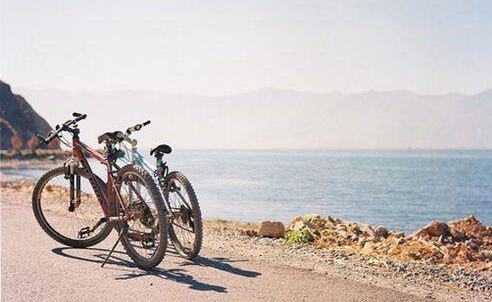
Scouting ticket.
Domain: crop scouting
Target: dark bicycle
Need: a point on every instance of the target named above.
(77, 208)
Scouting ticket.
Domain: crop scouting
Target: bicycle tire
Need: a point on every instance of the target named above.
(195, 211)
(45, 225)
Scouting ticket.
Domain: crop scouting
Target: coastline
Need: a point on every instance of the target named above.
(39, 159)
(426, 280)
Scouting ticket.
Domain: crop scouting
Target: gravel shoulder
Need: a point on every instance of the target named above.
(232, 267)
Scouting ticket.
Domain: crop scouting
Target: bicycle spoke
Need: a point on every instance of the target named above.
(183, 228)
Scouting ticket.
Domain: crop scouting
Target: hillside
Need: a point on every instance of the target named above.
(276, 118)
(19, 123)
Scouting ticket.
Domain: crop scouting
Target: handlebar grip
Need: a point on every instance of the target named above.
(79, 116)
(146, 123)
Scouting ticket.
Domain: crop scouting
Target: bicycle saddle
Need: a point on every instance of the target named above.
(111, 137)
(162, 149)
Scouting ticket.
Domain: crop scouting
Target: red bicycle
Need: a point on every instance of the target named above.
(77, 208)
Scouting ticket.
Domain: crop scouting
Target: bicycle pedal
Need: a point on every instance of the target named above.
(84, 232)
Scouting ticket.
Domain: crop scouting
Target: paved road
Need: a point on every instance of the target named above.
(36, 268)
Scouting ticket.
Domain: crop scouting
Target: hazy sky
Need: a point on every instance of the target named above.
(224, 47)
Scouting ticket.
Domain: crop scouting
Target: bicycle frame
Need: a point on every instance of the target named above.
(106, 200)
(136, 158)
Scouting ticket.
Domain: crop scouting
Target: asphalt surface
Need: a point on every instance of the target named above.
(36, 268)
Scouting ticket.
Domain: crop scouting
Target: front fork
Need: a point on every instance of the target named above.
(74, 179)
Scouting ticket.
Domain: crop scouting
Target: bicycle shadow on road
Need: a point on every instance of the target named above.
(221, 263)
(176, 275)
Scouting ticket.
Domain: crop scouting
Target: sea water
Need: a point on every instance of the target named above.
(402, 190)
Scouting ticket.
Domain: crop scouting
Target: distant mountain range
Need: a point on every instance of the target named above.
(19, 123)
(272, 118)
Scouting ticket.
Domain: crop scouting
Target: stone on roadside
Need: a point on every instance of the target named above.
(367, 229)
(381, 232)
(298, 225)
(272, 229)
(251, 233)
(368, 248)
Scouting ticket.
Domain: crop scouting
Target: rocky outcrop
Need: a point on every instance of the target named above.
(19, 123)
(463, 243)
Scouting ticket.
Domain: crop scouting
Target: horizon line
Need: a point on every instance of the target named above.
(265, 88)
(331, 149)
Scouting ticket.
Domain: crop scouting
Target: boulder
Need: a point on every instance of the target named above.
(434, 230)
(272, 229)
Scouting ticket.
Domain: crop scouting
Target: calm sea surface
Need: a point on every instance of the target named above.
(402, 190)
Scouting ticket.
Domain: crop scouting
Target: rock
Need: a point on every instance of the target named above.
(368, 248)
(298, 225)
(272, 229)
(398, 234)
(309, 217)
(251, 233)
(462, 243)
(457, 234)
(381, 232)
(19, 121)
(367, 229)
(434, 229)
(471, 227)
(397, 240)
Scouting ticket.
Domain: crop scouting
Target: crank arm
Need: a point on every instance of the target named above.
(87, 231)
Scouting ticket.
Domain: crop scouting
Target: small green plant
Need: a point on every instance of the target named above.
(297, 237)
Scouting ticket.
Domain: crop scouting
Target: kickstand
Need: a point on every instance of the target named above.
(122, 232)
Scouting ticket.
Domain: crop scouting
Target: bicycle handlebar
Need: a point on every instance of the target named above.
(64, 127)
(137, 127)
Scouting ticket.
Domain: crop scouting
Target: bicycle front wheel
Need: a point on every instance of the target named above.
(77, 226)
(145, 238)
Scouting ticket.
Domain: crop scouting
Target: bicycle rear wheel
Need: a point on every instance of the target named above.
(51, 207)
(185, 225)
